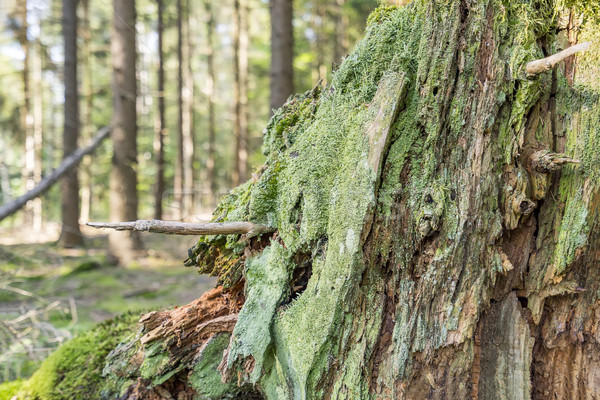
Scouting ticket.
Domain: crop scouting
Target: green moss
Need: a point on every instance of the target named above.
(381, 13)
(10, 389)
(74, 371)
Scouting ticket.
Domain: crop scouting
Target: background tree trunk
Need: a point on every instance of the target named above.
(123, 177)
(27, 114)
(319, 25)
(188, 114)
(210, 89)
(70, 235)
(240, 50)
(282, 51)
(341, 25)
(86, 130)
(159, 142)
(38, 118)
(178, 189)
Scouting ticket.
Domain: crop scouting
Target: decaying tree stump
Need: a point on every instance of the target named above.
(436, 226)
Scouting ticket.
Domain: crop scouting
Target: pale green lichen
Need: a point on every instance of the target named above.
(205, 377)
(267, 281)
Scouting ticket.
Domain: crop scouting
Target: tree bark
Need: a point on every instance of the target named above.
(432, 241)
(123, 178)
(159, 142)
(70, 235)
(282, 52)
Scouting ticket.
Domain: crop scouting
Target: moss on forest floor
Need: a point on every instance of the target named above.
(50, 294)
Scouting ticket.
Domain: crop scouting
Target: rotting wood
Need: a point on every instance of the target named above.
(68, 163)
(545, 64)
(185, 228)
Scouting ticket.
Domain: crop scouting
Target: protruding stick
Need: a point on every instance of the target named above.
(546, 64)
(545, 161)
(186, 228)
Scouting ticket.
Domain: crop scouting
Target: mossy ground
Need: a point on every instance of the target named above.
(74, 371)
(79, 290)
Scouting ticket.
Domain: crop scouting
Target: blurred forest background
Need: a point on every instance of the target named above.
(188, 87)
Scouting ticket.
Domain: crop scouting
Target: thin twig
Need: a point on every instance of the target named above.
(546, 64)
(186, 228)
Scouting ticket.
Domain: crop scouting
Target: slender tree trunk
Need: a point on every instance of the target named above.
(179, 160)
(159, 142)
(243, 64)
(210, 89)
(70, 235)
(319, 16)
(123, 178)
(27, 113)
(187, 113)
(282, 52)
(240, 57)
(38, 119)
(86, 119)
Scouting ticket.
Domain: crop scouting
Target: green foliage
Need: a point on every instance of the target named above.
(74, 371)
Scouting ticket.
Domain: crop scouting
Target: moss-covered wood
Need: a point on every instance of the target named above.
(436, 216)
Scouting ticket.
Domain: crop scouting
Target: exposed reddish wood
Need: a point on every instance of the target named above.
(174, 388)
(193, 323)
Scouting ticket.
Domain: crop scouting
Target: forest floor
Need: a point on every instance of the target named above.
(48, 294)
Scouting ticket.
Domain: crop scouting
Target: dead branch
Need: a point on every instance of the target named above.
(545, 64)
(545, 161)
(186, 228)
(46, 183)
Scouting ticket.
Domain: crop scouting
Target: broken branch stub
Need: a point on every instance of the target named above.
(544, 161)
(545, 64)
(186, 228)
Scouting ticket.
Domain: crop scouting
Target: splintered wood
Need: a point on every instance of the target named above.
(192, 324)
